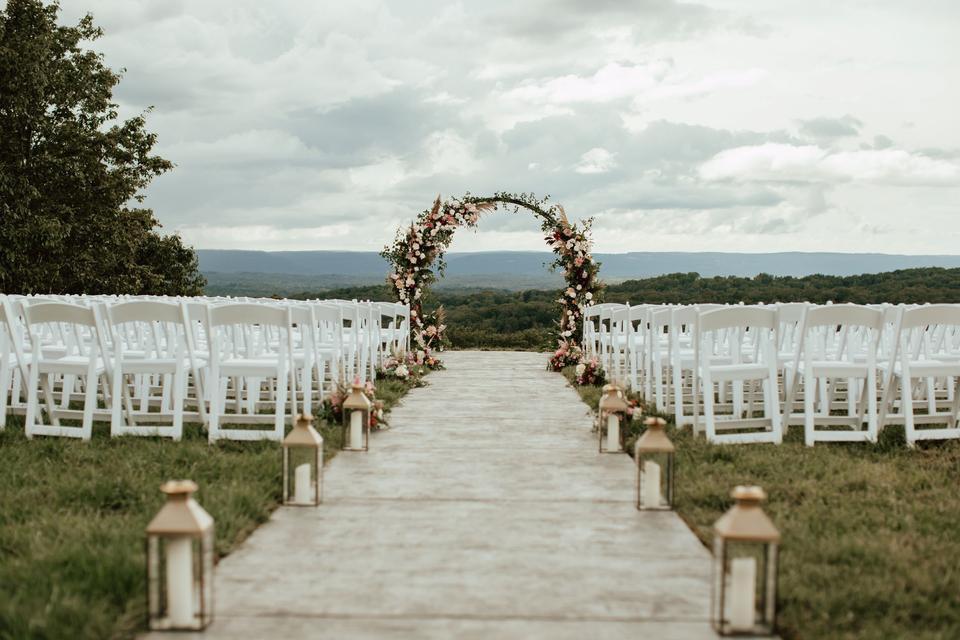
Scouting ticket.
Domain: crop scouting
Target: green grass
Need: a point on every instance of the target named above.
(871, 542)
(73, 514)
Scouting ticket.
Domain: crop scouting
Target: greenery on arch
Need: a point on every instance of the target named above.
(416, 257)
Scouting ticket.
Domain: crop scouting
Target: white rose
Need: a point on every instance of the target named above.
(581, 368)
(402, 371)
(589, 296)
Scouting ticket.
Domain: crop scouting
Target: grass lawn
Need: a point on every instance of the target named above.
(871, 533)
(73, 514)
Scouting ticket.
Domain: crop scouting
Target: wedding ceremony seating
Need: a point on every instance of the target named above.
(926, 370)
(742, 374)
(239, 367)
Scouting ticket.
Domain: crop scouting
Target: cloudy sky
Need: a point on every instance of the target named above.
(734, 125)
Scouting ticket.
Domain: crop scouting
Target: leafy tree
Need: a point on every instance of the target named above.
(71, 174)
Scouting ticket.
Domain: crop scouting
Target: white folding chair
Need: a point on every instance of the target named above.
(13, 363)
(927, 371)
(303, 350)
(78, 358)
(737, 345)
(683, 364)
(149, 352)
(659, 357)
(838, 366)
(328, 344)
(249, 345)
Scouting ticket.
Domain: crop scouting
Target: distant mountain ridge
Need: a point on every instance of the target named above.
(501, 265)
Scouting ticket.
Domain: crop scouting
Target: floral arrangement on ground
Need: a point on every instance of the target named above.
(590, 371)
(333, 405)
(416, 259)
(409, 367)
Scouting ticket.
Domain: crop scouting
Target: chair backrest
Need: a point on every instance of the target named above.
(737, 317)
(790, 316)
(249, 330)
(736, 333)
(842, 332)
(70, 326)
(248, 314)
(930, 332)
(158, 329)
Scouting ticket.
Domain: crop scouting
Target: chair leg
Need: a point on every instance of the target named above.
(906, 402)
(33, 402)
(711, 427)
(280, 408)
(90, 400)
(179, 390)
(809, 384)
(115, 405)
(46, 384)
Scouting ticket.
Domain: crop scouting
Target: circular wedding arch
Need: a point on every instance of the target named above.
(416, 257)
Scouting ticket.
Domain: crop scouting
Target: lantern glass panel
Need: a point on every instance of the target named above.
(611, 432)
(303, 477)
(655, 480)
(354, 431)
(180, 581)
(745, 582)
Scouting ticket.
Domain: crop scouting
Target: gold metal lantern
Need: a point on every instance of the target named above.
(745, 552)
(656, 467)
(303, 464)
(180, 562)
(613, 408)
(356, 419)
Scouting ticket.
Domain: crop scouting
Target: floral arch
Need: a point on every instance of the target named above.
(416, 257)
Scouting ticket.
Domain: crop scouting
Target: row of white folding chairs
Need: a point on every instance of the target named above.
(145, 351)
(875, 364)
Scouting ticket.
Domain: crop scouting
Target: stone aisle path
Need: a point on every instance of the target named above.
(484, 512)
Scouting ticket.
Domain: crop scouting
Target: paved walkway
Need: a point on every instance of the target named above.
(485, 512)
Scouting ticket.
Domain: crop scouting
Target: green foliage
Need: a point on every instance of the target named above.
(914, 286)
(526, 320)
(69, 170)
(869, 540)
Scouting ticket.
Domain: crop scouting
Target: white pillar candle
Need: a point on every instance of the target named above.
(356, 430)
(743, 584)
(651, 484)
(302, 487)
(613, 432)
(180, 581)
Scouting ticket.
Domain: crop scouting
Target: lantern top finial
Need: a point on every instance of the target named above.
(748, 494)
(746, 521)
(179, 488)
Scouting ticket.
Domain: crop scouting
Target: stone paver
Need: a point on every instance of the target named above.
(484, 512)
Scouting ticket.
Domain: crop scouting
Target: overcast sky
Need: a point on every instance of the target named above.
(734, 125)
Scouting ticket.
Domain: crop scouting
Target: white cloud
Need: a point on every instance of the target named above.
(596, 160)
(289, 120)
(809, 163)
